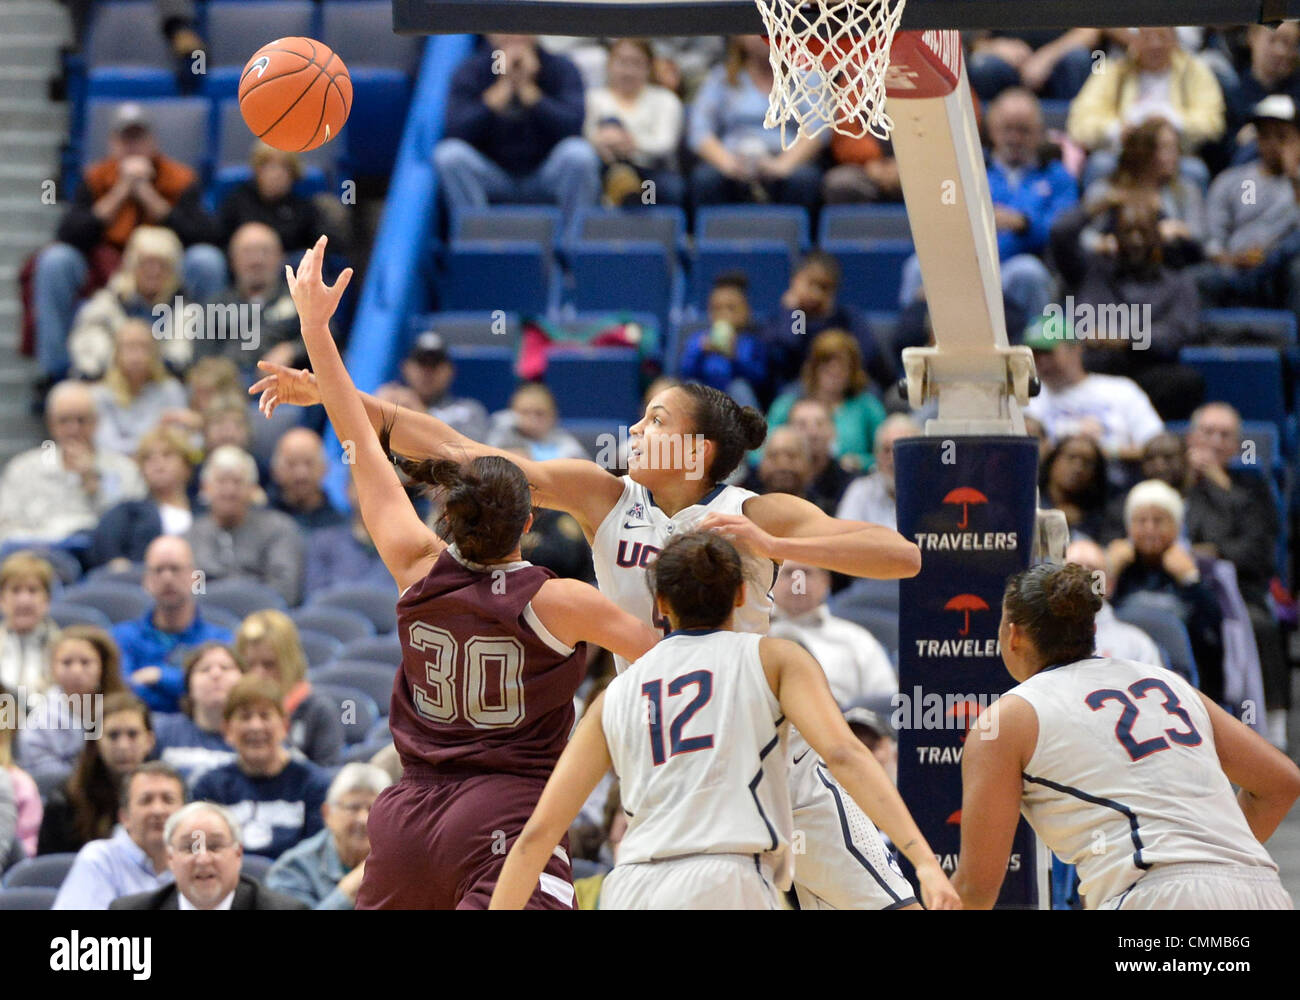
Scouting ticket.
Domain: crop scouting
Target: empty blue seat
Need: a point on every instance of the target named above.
(508, 275)
(599, 435)
(1276, 326)
(766, 263)
(180, 124)
(1159, 621)
(125, 574)
(319, 648)
(375, 648)
(235, 29)
(29, 898)
(241, 595)
(65, 613)
(255, 866)
(344, 625)
(596, 382)
(356, 708)
(486, 374)
(663, 224)
(361, 31)
(375, 679)
(473, 329)
(126, 54)
(879, 594)
(785, 223)
(379, 605)
(882, 623)
(855, 223)
(1250, 378)
(1055, 115)
(380, 98)
(540, 224)
(120, 602)
(46, 871)
(872, 271)
(618, 277)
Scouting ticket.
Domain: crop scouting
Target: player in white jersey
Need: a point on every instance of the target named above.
(689, 440)
(1122, 768)
(694, 730)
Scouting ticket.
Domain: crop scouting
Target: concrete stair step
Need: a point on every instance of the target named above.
(36, 115)
(29, 213)
(24, 144)
(23, 83)
(41, 19)
(36, 51)
(14, 251)
(26, 175)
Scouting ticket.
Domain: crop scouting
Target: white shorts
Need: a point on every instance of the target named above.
(1204, 887)
(692, 882)
(840, 860)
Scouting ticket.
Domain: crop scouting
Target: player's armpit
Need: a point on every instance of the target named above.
(804, 533)
(576, 612)
(1268, 779)
(991, 768)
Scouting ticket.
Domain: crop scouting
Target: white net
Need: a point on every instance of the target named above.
(829, 59)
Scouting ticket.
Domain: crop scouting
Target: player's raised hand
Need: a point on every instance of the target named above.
(937, 892)
(295, 386)
(316, 301)
(741, 532)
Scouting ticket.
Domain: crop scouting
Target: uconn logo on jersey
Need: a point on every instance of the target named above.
(634, 554)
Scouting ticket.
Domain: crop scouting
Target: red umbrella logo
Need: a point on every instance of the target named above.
(965, 603)
(964, 713)
(965, 495)
(955, 818)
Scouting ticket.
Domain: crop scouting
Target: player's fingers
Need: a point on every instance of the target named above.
(341, 285)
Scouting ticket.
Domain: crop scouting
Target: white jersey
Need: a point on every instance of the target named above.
(635, 530)
(1125, 776)
(697, 740)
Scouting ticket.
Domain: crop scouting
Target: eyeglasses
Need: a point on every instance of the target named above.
(201, 844)
(352, 807)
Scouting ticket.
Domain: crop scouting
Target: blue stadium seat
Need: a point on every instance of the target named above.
(356, 708)
(486, 374)
(882, 623)
(376, 648)
(255, 866)
(120, 602)
(540, 224)
(320, 649)
(181, 125)
(344, 625)
(241, 595)
(31, 898)
(855, 223)
(879, 594)
(46, 871)
(872, 271)
(234, 29)
(126, 574)
(640, 276)
(572, 375)
(214, 615)
(64, 613)
(597, 435)
(471, 329)
(664, 224)
(508, 275)
(1277, 326)
(1055, 115)
(375, 679)
(380, 98)
(380, 733)
(787, 224)
(1250, 378)
(377, 604)
(362, 31)
(1158, 620)
(126, 54)
(766, 263)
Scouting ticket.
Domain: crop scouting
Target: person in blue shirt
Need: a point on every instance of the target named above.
(191, 740)
(514, 130)
(275, 797)
(150, 643)
(728, 354)
(134, 858)
(1028, 193)
(326, 869)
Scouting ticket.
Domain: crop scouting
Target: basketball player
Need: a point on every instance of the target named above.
(1121, 768)
(492, 655)
(694, 730)
(689, 440)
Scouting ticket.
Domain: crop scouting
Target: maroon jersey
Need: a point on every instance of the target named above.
(483, 686)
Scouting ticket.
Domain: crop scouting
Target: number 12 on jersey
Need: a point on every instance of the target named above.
(702, 680)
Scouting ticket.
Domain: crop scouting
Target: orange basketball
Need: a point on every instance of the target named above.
(295, 94)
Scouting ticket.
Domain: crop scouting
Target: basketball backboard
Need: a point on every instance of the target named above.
(724, 17)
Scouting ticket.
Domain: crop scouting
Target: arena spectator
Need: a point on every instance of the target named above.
(325, 870)
(133, 857)
(26, 629)
(1053, 65)
(532, 425)
(832, 374)
(276, 798)
(635, 126)
(1073, 480)
(191, 740)
(682, 62)
(28, 808)
(610, 833)
(9, 846)
(343, 552)
(808, 307)
(298, 478)
(872, 497)
(126, 530)
(514, 130)
(85, 806)
(812, 418)
(1114, 637)
(1110, 408)
(1028, 191)
(873, 729)
(268, 198)
(555, 540)
(56, 493)
(268, 645)
(151, 643)
(729, 353)
(865, 170)
(429, 371)
(135, 185)
(1156, 78)
(1141, 311)
(786, 465)
(146, 287)
(137, 392)
(210, 379)
(1231, 514)
(1274, 69)
(237, 539)
(1152, 560)
(253, 318)
(739, 159)
(1252, 246)
(1165, 458)
(856, 664)
(204, 852)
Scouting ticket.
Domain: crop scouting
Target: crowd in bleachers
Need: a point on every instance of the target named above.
(609, 214)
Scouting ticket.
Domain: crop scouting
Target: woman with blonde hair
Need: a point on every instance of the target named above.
(27, 632)
(833, 374)
(267, 642)
(137, 392)
(149, 276)
(268, 196)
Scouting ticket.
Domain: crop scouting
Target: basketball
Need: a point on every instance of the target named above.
(295, 94)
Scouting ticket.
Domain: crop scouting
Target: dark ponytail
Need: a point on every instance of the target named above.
(1057, 607)
(733, 429)
(486, 502)
(698, 574)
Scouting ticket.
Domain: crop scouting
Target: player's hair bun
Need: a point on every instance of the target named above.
(754, 427)
(733, 429)
(1056, 606)
(1070, 593)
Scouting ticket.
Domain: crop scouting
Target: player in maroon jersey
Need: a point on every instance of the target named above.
(492, 655)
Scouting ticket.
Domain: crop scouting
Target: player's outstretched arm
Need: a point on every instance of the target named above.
(997, 748)
(779, 526)
(577, 773)
(576, 612)
(403, 541)
(1268, 780)
(799, 684)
